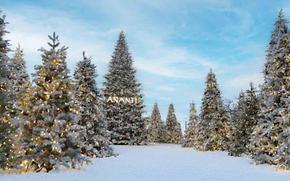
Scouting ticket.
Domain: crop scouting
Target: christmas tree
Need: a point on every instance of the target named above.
(18, 74)
(173, 128)
(270, 141)
(19, 81)
(191, 132)
(244, 120)
(214, 127)
(4, 66)
(6, 126)
(156, 130)
(91, 115)
(123, 101)
(283, 152)
(51, 136)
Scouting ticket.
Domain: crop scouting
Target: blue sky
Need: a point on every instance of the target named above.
(174, 43)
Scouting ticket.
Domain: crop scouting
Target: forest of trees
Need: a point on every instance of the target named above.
(54, 120)
(258, 125)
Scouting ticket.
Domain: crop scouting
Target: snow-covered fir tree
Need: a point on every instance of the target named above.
(173, 128)
(214, 127)
(4, 65)
(244, 120)
(123, 101)
(19, 81)
(51, 136)
(91, 116)
(156, 130)
(6, 126)
(191, 132)
(236, 148)
(283, 157)
(18, 74)
(271, 137)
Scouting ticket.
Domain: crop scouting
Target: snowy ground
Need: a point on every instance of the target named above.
(162, 163)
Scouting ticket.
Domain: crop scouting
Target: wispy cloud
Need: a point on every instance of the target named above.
(173, 43)
(29, 30)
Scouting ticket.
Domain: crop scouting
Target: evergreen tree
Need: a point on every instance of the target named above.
(283, 152)
(156, 130)
(270, 141)
(124, 114)
(214, 127)
(173, 128)
(19, 81)
(51, 135)
(191, 132)
(4, 66)
(6, 127)
(244, 120)
(91, 115)
(18, 74)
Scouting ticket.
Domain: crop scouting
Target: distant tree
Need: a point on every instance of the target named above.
(124, 120)
(244, 121)
(173, 128)
(91, 116)
(191, 132)
(271, 137)
(156, 130)
(214, 127)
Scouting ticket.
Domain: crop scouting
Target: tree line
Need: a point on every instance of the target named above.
(258, 125)
(55, 120)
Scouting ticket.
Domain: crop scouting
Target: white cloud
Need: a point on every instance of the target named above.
(149, 43)
(243, 81)
(32, 33)
(28, 28)
(158, 56)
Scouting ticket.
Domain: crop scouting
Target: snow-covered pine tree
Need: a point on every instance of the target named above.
(18, 74)
(270, 140)
(51, 134)
(237, 123)
(6, 127)
(4, 65)
(244, 121)
(124, 113)
(156, 130)
(173, 128)
(283, 157)
(19, 81)
(214, 126)
(191, 132)
(91, 116)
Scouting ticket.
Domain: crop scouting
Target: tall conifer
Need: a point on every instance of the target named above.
(191, 132)
(244, 121)
(91, 116)
(173, 128)
(156, 130)
(270, 141)
(51, 135)
(123, 101)
(19, 81)
(6, 126)
(214, 126)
